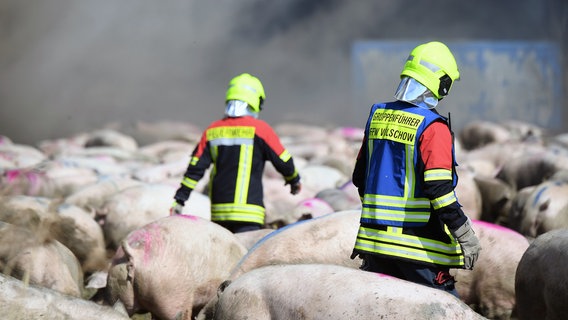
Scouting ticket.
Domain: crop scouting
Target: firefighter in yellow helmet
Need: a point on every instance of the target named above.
(238, 146)
(412, 225)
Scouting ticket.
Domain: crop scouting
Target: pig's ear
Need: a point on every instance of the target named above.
(129, 252)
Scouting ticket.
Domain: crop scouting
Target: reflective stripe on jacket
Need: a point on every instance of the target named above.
(396, 216)
(238, 149)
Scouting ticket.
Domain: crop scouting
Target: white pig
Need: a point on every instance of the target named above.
(327, 239)
(490, 287)
(36, 258)
(133, 207)
(314, 291)
(19, 300)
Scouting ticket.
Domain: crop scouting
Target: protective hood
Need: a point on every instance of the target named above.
(238, 108)
(414, 92)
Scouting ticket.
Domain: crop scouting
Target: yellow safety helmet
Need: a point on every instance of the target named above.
(247, 88)
(434, 66)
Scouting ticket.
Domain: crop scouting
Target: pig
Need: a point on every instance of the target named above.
(319, 177)
(166, 149)
(66, 180)
(352, 134)
(271, 173)
(524, 131)
(318, 291)
(480, 167)
(21, 156)
(71, 225)
(35, 257)
(111, 138)
(49, 179)
(55, 147)
(541, 280)
(498, 154)
(540, 208)
(477, 134)
(25, 182)
(138, 205)
(496, 199)
(250, 238)
(280, 204)
(352, 193)
(84, 237)
(102, 166)
(146, 133)
(311, 208)
(161, 172)
(326, 201)
(304, 141)
(173, 157)
(490, 287)
(480, 133)
(327, 239)
(19, 300)
(171, 267)
(531, 168)
(340, 198)
(468, 193)
(118, 154)
(92, 196)
(308, 150)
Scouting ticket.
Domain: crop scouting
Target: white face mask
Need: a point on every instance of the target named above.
(414, 92)
(238, 108)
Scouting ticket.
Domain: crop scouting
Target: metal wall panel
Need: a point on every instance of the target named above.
(500, 81)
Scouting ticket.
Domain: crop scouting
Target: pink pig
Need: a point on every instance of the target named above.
(172, 267)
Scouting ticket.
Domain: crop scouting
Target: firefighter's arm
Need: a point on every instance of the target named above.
(280, 158)
(437, 156)
(199, 162)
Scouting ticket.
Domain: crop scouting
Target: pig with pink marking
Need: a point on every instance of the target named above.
(490, 287)
(171, 267)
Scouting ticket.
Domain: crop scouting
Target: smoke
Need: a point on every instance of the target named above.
(72, 66)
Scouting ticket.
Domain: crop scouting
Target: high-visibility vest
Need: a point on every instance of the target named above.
(394, 202)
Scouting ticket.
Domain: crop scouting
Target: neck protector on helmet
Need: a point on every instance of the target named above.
(238, 108)
(414, 92)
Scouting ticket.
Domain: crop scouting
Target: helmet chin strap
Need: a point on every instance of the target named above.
(238, 108)
(414, 92)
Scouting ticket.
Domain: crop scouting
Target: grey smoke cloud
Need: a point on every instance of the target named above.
(70, 66)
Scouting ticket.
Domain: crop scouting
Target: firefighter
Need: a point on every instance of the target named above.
(237, 146)
(412, 225)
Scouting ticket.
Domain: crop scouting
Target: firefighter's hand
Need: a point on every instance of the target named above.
(176, 209)
(295, 188)
(469, 244)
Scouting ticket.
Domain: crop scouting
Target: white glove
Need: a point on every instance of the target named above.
(176, 208)
(469, 244)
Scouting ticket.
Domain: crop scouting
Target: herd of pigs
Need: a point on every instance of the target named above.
(85, 231)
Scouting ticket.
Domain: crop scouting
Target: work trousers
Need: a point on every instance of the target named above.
(435, 277)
